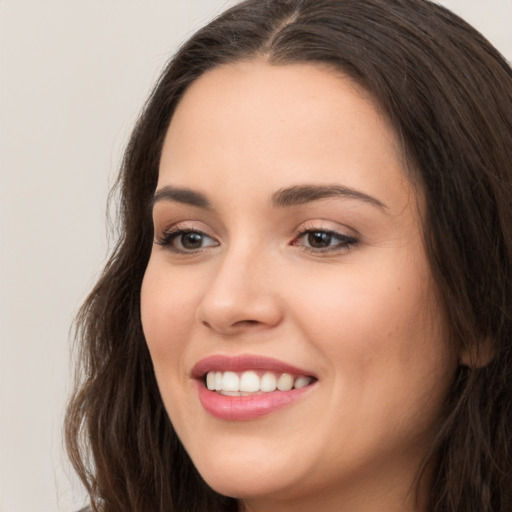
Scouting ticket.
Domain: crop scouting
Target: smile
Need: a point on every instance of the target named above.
(251, 382)
(248, 387)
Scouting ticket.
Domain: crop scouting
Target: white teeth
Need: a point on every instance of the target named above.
(249, 381)
(230, 382)
(285, 382)
(218, 381)
(230, 393)
(301, 382)
(233, 384)
(268, 382)
(210, 381)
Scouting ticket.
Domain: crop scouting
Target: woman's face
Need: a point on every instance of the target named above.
(288, 240)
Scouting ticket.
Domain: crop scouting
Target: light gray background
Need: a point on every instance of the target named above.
(73, 75)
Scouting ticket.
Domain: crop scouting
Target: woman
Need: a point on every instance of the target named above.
(310, 304)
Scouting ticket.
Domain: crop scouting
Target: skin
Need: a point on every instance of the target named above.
(365, 318)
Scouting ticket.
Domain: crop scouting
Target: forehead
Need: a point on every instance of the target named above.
(280, 124)
(299, 95)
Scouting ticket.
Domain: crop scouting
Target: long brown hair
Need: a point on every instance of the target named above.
(448, 93)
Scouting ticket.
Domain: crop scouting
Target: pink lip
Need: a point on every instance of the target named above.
(240, 408)
(240, 363)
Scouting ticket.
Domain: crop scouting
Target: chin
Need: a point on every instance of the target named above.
(244, 478)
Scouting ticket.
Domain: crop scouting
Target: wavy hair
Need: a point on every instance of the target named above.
(448, 93)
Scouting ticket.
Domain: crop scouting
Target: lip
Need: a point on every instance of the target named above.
(250, 407)
(243, 362)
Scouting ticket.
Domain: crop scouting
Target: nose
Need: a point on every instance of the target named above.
(242, 294)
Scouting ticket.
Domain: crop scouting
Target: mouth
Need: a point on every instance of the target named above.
(247, 387)
(252, 382)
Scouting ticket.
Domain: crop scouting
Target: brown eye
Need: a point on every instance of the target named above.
(191, 240)
(319, 239)
(182, 240)
(324, 241)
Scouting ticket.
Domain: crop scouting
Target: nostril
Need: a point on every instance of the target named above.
(247, 322)
(235, 325)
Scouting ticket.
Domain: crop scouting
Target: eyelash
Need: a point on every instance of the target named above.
(168, 237)
(344, 242)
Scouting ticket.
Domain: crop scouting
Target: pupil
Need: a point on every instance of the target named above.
(191, 240)
(319, 239)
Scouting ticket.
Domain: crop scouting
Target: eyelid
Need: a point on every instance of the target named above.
(186, 225)
(166, 236)
(327, 225)
(345, 241)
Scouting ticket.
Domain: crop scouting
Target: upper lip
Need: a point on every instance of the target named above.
(243, 362)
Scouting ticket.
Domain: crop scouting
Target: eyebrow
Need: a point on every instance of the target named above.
(181, 195)
(286, 197)
(302, 194)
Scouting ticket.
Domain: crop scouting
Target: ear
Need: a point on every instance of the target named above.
(478, 354)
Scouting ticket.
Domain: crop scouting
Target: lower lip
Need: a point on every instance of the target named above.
(250, 407)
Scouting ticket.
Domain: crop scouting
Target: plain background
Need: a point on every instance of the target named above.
(73, 76)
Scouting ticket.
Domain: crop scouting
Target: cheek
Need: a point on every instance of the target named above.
(367, 310)
(167, 316)
(383, 337)
(167, 313)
